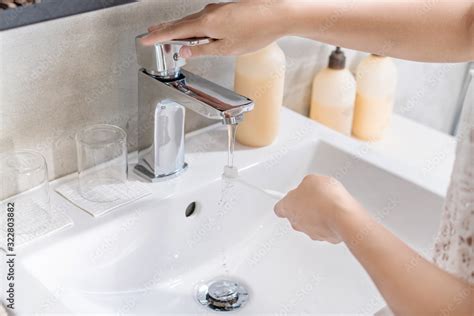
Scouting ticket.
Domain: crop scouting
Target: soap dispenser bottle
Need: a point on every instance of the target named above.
(333, 94)
(261, 76)
(376, 84)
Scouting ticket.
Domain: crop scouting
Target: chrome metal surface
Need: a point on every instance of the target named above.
(162, 59)
(209, 99)
(160, 135)
(145, 174)
(164, 89)
(222, 295)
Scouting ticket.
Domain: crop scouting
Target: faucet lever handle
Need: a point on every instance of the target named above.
(193, 41)
(162, 59)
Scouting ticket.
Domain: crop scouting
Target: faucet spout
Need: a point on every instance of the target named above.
(164, 91)
(209, 99)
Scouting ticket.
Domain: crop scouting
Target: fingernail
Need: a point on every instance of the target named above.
(185, 52)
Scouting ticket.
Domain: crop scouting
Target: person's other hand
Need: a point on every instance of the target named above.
(236, 28)
(317, 206)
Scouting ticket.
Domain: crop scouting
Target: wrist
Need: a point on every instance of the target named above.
(296, 17)
(285, 15)
(351, 222)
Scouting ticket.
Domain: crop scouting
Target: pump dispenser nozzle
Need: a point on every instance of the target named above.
(337, 59)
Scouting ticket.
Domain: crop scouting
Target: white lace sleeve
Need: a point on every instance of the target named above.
(454, 249)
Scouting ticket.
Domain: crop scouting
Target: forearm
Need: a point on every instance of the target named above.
(416, 30)
(410, 284)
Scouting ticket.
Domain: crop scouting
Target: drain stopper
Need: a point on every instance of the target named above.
(222, 295)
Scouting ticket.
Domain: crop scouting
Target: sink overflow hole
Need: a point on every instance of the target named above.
(190, 209)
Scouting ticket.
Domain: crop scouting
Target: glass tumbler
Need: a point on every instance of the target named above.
(101, 162)
(24, 192)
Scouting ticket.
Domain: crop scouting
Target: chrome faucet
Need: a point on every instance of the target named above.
(164, 91)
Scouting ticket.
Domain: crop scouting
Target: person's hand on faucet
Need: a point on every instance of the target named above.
(318, 207)
(235, 28)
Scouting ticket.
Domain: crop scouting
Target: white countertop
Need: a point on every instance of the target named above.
(414, 152)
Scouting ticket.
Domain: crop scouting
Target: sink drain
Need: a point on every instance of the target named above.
(222, 295)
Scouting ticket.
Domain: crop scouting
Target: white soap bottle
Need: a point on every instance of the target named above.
(376, 85)
(333, 94)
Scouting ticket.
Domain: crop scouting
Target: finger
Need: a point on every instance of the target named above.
(168, 24)
(279, 209)
(333, 240)
(157, 27)
(293, 218)
(215, 48)
(316, 237)
(294, 225)
(179, 30)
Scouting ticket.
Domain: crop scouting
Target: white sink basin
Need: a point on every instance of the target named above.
(156, 251)
(148, 257)
(408, 210)
(290, 273)
(158, 255)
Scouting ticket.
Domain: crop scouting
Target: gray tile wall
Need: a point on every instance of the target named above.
(58, 76)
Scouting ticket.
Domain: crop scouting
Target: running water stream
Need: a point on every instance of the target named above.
(229, 170)
(231, 131)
